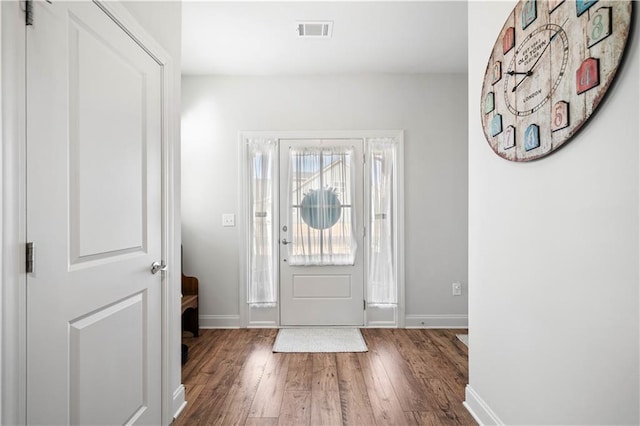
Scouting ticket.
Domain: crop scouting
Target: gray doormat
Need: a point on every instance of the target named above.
(464, 338)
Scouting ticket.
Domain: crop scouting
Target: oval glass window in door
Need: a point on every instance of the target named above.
(321, 208)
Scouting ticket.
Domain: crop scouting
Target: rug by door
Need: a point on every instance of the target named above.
(464, 338)
(319, 340)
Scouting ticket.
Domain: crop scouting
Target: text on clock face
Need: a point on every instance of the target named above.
(532, 95)
(531, 53)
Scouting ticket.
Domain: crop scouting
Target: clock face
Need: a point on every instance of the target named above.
(549, 69)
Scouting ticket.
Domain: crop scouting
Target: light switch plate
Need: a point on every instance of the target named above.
(228, 219)
(457, 288)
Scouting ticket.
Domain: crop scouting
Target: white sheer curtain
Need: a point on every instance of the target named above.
(262, 291)
(321, 213)
(381, 281)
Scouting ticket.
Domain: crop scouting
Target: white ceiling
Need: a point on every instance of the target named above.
(260, 38)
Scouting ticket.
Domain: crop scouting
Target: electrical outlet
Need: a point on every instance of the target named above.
(228, 219)
(457, 289)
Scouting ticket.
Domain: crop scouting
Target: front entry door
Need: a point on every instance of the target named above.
(94, 214)
(321, 232)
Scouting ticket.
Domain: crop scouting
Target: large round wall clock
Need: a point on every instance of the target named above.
(549, 69)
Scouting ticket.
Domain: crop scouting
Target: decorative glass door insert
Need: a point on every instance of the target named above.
(321, 186)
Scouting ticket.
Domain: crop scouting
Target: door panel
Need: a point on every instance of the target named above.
(94, 214)
(321, 281)
(101, 360)
(321, 286)
(105, 219)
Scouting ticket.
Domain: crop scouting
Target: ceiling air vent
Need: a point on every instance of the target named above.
(315, 29)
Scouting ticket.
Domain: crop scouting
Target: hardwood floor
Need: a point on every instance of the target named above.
(408, 377)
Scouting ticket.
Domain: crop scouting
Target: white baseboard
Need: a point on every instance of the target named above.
(179, 401)
(436, 321)
(411, 321)
(262, 324)
(382, 324)
(219, 321)
(479, 409)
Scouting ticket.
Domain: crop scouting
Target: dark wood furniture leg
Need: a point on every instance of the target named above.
(190, 319)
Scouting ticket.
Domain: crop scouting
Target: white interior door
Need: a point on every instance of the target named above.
(94, 214)
(321, 232)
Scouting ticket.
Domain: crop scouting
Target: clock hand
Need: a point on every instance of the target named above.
(530, 72)
(558, 32)
(547, 46)
(527, 73)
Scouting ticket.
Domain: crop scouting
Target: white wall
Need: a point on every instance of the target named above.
(163, 21)
(553, 261)
(431, 110)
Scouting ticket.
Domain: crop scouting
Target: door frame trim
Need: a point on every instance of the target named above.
(272, 319)
(13, 175)
(13, 212)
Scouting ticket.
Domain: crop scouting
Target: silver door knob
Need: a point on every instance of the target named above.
(157, 267)
(285, 242)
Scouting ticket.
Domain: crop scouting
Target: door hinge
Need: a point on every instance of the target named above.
(364, 305)
(364, 158)
(28, 12)
(30, 258)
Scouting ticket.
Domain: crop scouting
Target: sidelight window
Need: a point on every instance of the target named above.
(381, 282)
(262, 285)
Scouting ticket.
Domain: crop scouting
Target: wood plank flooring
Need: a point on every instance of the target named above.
(408, 377)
